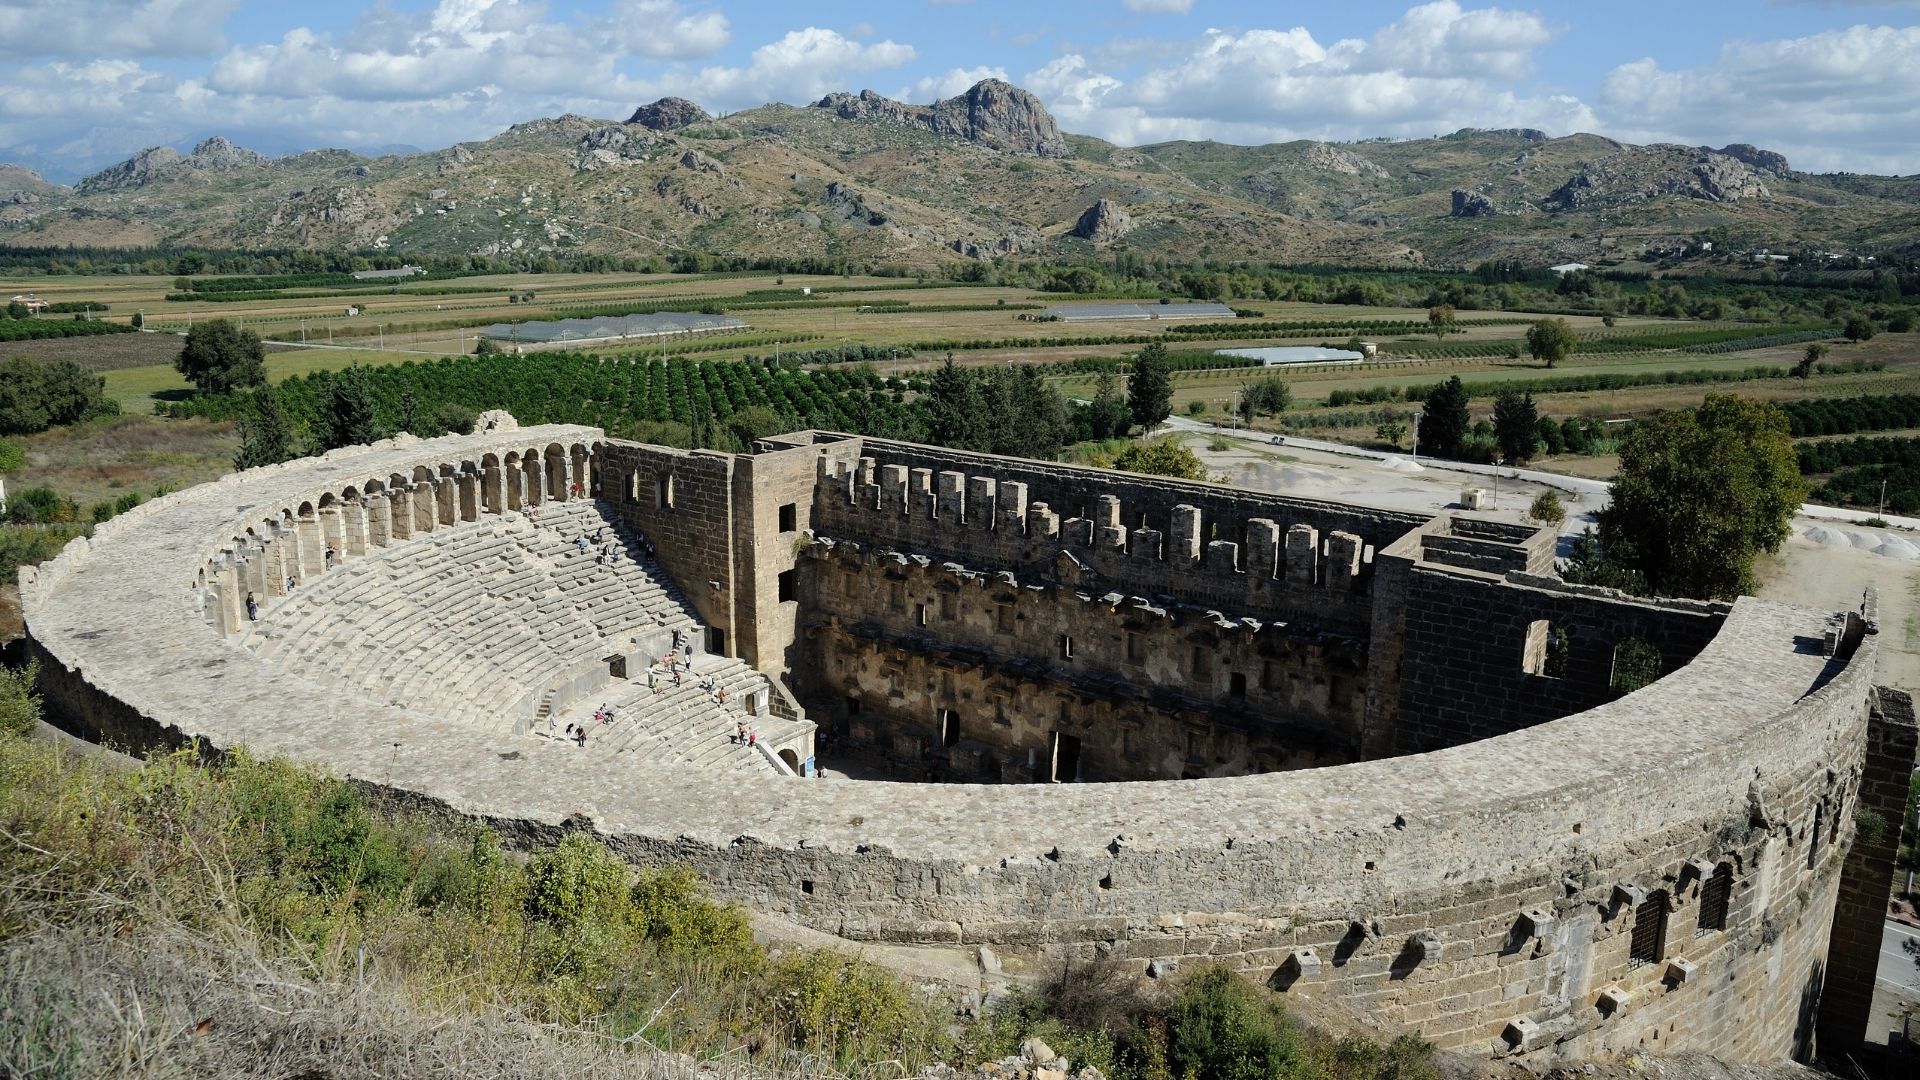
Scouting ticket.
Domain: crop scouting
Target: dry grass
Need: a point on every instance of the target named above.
(92, 462)
(162, 1000)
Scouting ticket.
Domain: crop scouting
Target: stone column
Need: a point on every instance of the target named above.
(256, 574)
(332, 534)
(1013, 507)
(312, 548)
(1183, 547)
(379, 521)
(1107, 532)
(536, 491)
(492, 491)
(1223, 556)
(1343, 560)
(514, 480)
(1303, 554)
(230, 596)
(920, 505)
(1145, 544)
(1042, 522)
(469, 485)
(980, 501)
(353, 528)
(893, 490)
(448, 499)
(1263, 547)
(951, 502)
(400, 513)
(287, 564)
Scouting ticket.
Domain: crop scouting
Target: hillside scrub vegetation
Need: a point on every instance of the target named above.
(251, 916)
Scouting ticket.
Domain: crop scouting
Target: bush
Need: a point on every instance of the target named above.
(1546, 508)
(859, 1013)
(1196, 408)
(19, 700)
(35, 396)
(1219, 1030)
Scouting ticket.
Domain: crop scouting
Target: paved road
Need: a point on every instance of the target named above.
(1897, 986)
(1594, 493)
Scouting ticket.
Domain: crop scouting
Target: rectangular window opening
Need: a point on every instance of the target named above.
(1716, 896)
(789, 586)
(949, 728)
(663, 491)
(1649, 942)
(1066, 647)
(789, 517)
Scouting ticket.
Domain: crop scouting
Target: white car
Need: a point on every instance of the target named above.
(1277, 441)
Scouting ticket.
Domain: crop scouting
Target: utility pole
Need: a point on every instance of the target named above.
(1882, 512)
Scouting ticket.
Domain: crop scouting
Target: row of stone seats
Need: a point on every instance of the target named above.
(467, 620)
(681, 725)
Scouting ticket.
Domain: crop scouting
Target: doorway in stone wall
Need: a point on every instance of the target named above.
(617, 666)
(1066, 758)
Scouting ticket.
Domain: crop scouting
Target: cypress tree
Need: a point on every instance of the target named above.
(954, 414)
(1516, 425)
(1443, 423)
(1150, 388)
(266, 436)
(348, 417)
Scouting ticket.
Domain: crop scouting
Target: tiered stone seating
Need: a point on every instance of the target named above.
(681, 724)
(474, 620)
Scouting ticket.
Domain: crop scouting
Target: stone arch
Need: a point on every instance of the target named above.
(792, 759)
(351, 494)
(423, 474)
(556, 462)
(374, 487)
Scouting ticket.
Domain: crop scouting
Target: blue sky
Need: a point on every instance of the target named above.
(1833, 85)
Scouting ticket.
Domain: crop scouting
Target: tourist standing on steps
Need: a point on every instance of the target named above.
(331, 555)
(253, 609)
(580, 737)
(740, 731)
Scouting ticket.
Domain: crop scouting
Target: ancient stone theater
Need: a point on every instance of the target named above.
(1071, 716)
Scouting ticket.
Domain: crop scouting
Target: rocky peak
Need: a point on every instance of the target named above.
(222, 156)
(1767, 161)
(991, 113)
(1001, 116)
(669, 114)
(1103, 223)
(1637, 173)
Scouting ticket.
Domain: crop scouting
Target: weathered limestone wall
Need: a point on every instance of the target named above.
(682, 500)
(1262, 555)
(1475, 649)
(1846, 1014)
(938, 669)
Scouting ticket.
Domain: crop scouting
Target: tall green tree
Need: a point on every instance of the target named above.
(266, 435)
(220, 356)
(36, 395)
(347, 416)
(1150, 388)
(1268, 396)
(1443, 423)
(1700, 494)
(1551, 341)
(1516, 426)
(1108, 416)
(954, 416)
(1441, 318)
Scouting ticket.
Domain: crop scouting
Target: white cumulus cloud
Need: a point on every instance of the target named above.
(1847, 98)
(948, 83)
(1437, 68)
(70, 29)
(800, 66)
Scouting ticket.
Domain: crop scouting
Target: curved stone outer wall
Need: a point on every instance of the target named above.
(1485, 894)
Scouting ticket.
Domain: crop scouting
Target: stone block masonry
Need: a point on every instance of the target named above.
(1527, 894)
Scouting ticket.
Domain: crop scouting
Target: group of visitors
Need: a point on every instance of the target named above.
(577, 733)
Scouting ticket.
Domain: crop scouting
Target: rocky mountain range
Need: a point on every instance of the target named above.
(983, 174)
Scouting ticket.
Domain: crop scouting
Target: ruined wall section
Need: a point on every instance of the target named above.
(943, 670)
(1242, 552)
(682, 501)
(1483, 655)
